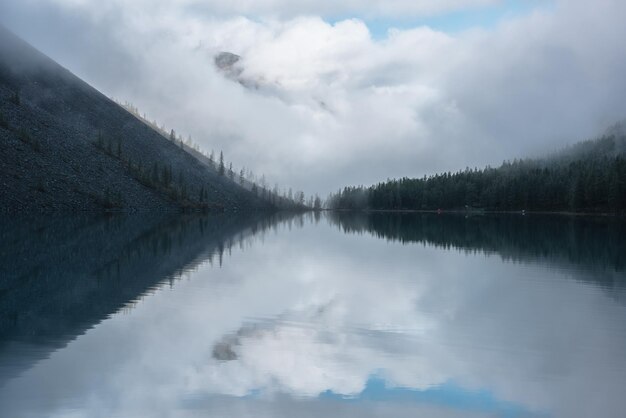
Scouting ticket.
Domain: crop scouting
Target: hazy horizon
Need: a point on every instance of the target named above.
(329, 94)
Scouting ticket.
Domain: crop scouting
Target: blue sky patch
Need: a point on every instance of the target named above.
(482, 17)
(448, 394)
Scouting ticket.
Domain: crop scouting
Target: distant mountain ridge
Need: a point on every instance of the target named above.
(231, 67)
(226, 62)
(64, 146)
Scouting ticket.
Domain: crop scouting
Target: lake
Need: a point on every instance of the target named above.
(325, 314)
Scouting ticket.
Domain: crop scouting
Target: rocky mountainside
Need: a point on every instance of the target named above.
(226, 62)
(64, 146)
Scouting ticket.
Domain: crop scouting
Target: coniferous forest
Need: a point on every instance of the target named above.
(587, 177)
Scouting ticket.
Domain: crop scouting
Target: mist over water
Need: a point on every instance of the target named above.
(321, 314)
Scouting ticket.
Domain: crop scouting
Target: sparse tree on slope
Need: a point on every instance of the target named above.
(220, 169)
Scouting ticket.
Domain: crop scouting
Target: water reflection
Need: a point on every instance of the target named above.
(60, 276)
(590, 243)
(303, 319)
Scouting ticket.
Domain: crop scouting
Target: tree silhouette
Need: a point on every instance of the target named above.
(220, 169)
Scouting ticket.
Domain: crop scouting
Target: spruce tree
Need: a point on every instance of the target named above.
(220, 169)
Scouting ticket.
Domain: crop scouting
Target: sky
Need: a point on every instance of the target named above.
(352, 92)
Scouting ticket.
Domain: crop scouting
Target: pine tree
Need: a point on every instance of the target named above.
(220, 169)
(317, 204)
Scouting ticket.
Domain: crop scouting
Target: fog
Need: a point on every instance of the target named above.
(323, 100)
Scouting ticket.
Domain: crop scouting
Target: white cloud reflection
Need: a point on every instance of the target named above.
(312, 310)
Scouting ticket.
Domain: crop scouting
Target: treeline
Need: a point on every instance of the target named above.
(281, 198)
(569, 181)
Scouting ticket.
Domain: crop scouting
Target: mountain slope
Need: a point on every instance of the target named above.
(64, 146)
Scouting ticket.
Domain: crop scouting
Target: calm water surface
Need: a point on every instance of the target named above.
(335, 315)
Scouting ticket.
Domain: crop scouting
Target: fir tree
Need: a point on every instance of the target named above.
(220, 169)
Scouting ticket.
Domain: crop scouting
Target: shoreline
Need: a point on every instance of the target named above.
(483, 212)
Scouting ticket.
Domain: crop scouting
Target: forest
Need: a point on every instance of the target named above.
(587, 177)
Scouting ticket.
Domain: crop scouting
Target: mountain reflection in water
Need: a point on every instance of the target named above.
(338, 314)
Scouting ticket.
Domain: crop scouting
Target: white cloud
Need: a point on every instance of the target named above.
(290, 8)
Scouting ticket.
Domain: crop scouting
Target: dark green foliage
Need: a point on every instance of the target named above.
(231, 173)
(220, 168)
(591, 183)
